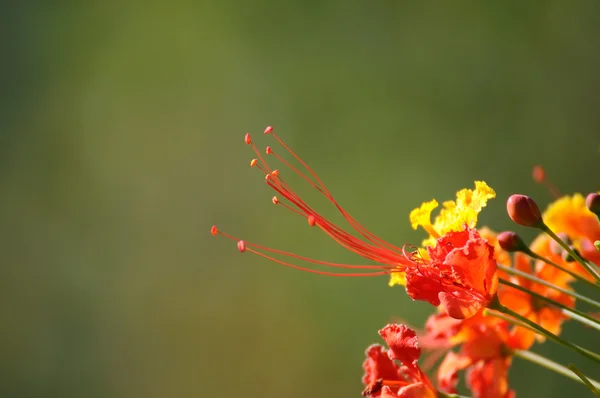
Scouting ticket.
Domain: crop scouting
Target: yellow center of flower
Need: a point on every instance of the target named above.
(452, 217)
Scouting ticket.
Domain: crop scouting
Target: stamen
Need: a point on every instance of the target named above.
(214, 231)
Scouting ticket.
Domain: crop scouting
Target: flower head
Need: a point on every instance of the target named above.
(570, 215)
(460, 273)
(383, 377)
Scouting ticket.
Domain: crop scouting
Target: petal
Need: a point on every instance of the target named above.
(448, 371)
(403, 343)
(421, 216)
(417, 390)
(378, 365)
(489, 379)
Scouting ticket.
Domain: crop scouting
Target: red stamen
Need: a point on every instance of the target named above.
(214, 231)
(389, 257)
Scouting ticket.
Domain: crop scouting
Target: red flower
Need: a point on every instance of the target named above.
(385, 378)
(460, 274)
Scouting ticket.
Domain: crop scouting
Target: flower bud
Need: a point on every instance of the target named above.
(593, 203)
(511, 242)
(524, 211)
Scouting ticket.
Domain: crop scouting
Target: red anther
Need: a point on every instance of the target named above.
(247, 139)
(269, 130)
(538, 173)
(275, 200)
(312, 220)
(268, 150)
(267, 177)
(214, 231)
(241, 246)
(253, 162)
(275, 173)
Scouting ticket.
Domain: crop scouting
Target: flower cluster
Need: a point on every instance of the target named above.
(494, 295)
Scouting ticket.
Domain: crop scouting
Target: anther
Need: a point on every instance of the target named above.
(267, 177)
(253, 162)
(312, 220)
(241, 246)
(268, 150)
(275, 200)
(214, 231)
(269, 130)
(247, 139)
(275, 173)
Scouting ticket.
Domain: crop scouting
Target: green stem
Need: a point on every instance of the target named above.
(572, 252)
(444, 395)
(536, 256)
(496, 305)
(573, 313)
(551, 365)
(584, 379)
(550, 285)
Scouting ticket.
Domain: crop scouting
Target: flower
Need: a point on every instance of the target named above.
(570, 215)
(385, 378)
(537, 310)
(460, 273)
(457, 269)
(484, 353)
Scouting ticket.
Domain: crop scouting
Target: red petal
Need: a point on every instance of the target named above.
(403, 344)
(378, 365)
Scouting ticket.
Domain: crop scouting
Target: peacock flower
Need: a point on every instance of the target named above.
(384, 377)
(571, 216)
(484, 354)
(547, 316)
(460, 273)
(457, 270)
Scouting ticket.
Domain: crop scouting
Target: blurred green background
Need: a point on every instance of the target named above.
(121, 129)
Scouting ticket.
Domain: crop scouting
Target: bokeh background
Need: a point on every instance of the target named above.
(121, 128)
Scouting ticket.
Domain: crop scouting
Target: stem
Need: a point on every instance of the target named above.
(573, 313)
(536, 256)
(496, 305)
(550, 285)
(551, 365)
(584, 379)
(572, 252)
(444, 395)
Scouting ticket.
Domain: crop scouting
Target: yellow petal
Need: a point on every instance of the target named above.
(421, 216)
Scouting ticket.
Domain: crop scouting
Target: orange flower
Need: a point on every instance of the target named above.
(570, 215)
(483, 353)
(539, 311)
(460, 274)
(385, 378)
